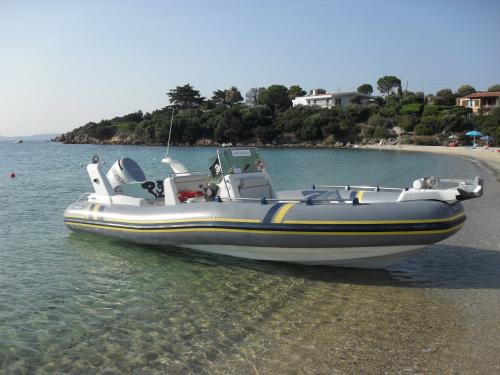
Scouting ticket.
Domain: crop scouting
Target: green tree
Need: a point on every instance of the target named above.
(444, 97)
(377, 121)
(386, 84)
(413, 109)
(380, 133)
(276, 98)
(355, 114)
(423, 129)
(233, 96)
(295, 91)
(494, 88)
(131, 117)
(406, 122)
(365, 88)
(104, 132)
(291, 120)
(311, 129)
(465, 90)
(219, 97)
(412, 97)
(185, 96)
(318, 91)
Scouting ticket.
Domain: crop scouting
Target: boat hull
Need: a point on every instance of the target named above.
(352, 257)
(367, 235)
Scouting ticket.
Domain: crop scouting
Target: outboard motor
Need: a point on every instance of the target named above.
(124, 171)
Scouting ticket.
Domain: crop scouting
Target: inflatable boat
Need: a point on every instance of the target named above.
(233, 209)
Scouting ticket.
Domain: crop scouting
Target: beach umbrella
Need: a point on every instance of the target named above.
(453, 136)
(474, 133)
(487, 139)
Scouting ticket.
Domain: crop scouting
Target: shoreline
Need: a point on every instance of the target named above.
(489, 159)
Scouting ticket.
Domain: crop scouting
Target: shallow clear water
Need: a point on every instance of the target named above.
(76, 303)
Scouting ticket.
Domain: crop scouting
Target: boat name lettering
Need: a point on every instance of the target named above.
(241, 153)
(118, 177)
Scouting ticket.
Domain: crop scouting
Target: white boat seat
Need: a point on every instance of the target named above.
(256, 192)
(252, 182)
(256, 185)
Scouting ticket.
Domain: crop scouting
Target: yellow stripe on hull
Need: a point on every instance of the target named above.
(173, 221)
(412, 221)
(280, 215)
(359, 195)
(278, 220)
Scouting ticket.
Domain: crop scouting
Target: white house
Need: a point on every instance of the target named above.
(329, 100)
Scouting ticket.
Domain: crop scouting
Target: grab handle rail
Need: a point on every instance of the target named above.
(356, 187)
(277, 200)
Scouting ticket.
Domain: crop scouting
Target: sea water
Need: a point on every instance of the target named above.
(80, 303)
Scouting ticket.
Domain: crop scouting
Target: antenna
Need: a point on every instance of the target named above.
(170, 131)
(176, 165)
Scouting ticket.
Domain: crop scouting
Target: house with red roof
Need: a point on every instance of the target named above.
(479, 100)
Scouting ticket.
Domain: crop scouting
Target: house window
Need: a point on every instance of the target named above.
(338, 101)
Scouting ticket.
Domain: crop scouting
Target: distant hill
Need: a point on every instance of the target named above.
(35, 137)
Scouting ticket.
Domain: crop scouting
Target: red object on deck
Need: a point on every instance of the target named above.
(186, 194)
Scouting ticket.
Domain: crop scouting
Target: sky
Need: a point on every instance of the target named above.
(65, 63)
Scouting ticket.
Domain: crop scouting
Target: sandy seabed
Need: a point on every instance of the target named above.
(445, 321)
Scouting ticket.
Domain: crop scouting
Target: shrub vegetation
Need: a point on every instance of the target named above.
(267, 117)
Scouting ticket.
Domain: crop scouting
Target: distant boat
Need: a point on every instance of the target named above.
(19, 141)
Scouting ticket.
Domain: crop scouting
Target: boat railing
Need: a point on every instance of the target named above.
(308, 201)
(359, 188)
